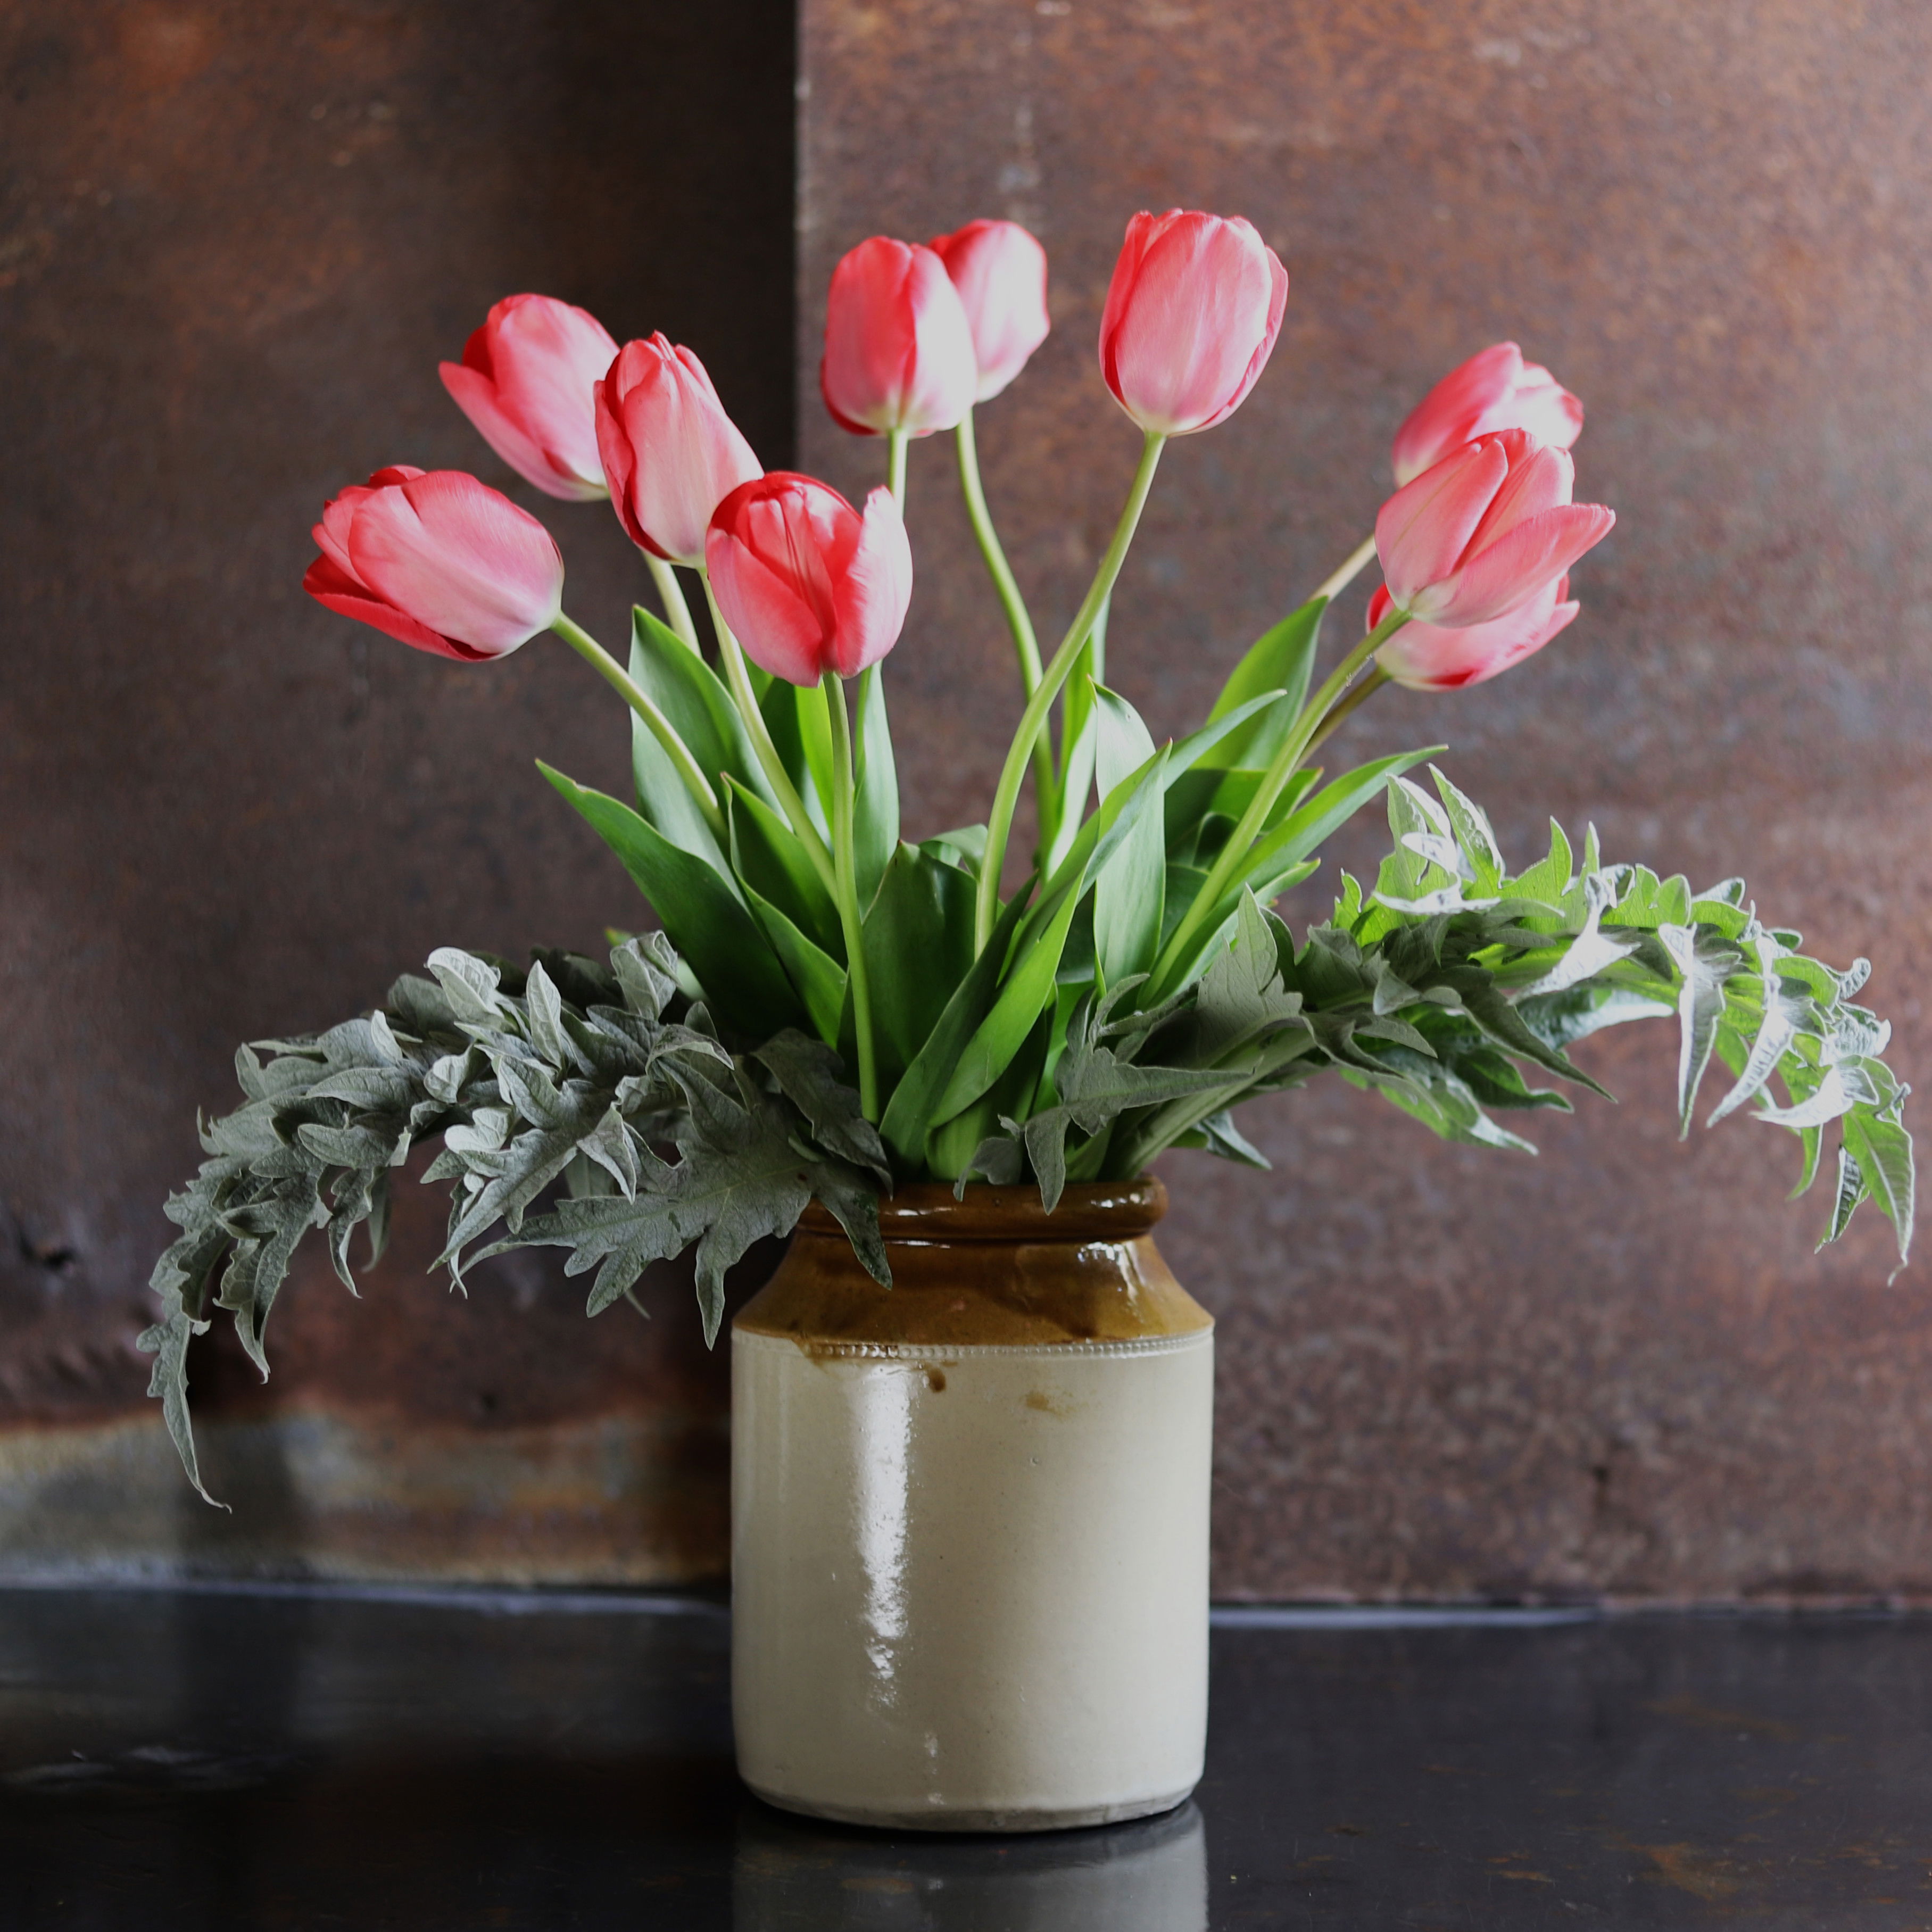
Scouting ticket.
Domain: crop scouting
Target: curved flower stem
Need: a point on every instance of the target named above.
(660, 727)
(1351, 568)
(1045, 785)
(769, 762)
(986, 905)
(895, 465)
(1240, 843)
(846, 894)
(1339, 712)
(670, 594)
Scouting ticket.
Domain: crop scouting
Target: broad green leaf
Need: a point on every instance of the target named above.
(693, 697)
(1846, 1196)
(1705, 964)
(782, 705)
(769, 859)
(818, 979)
(911, 1110)
(1078, 744)
(919, 944)
(808, 1074)
(1129, 890)
(705, 920)
(875, 819)
(1000, 1035)
(1280, 659)
(1549, 879)
(1883, 1152)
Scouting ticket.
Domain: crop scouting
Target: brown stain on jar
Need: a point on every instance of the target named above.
(994, 1270)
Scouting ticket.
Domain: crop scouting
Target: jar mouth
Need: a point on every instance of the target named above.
(1107, 1210)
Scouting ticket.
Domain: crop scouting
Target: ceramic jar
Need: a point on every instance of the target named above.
(970, 1517)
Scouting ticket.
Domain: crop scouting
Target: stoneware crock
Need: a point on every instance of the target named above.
(969, 1561)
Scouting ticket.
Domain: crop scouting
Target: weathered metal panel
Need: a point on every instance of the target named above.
(235, 239)
(1618, 1369)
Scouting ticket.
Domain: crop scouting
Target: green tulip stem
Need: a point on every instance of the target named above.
(1351, 568)
(732, 658)
(1235, 854)
(660, 726)
(670, 595)
(896, 440)
(1026, 646)
(845, 796)
(1032, 720)
(1340, 712)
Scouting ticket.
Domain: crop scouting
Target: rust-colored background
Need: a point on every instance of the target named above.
(1617, 1368)
(237, 239)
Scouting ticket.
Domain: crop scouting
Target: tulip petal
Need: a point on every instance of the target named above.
(1519, 564)
(999, 271)
(779, 630)
(1539, 479)
(459, 557)
(875, 590)
(547, 357)
(1451, 413)
(898, 347)
(671, 454)
(329, 584)
(1422, 531)
(1190, 317)
(1429, 657)
(476, 396)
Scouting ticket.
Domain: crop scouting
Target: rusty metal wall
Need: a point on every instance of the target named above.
(236, 237)
(1617, 1369)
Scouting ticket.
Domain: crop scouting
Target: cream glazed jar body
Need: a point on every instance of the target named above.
(970, 1518)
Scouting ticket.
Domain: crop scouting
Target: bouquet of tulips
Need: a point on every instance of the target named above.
(827, 1009)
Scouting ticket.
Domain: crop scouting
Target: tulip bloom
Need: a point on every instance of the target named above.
(438, 561)
(1426, 657)
(898, 349)
(1192, 315)
(525, 381)
(1497, 390)
(1484, 532)
(807, 583)
(1000, 271)
(671, 454)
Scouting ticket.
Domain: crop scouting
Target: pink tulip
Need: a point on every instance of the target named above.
(898, 349)
(1497, 390)
(670, 453)
(1426, 657)
(999, 271)
(807, 584)
(439, 561)
(1192, 314)
(525, 382)
(1484, 531)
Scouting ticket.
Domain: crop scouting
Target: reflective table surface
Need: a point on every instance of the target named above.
(266, 1758)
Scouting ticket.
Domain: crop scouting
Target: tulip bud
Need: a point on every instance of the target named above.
(1497, 390)
(807, 583)
(671, 454)
(1484, 531)
(438, 561)
(525, 381)
(898, 349)
(1192, 314)
(1426, 657)
(1000, 271)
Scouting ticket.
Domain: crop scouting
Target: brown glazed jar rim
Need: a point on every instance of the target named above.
(926, 1210)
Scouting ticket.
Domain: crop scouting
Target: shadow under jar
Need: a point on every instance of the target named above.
(969, 1560)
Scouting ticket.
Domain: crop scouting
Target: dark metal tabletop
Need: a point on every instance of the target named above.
(249, 1757)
